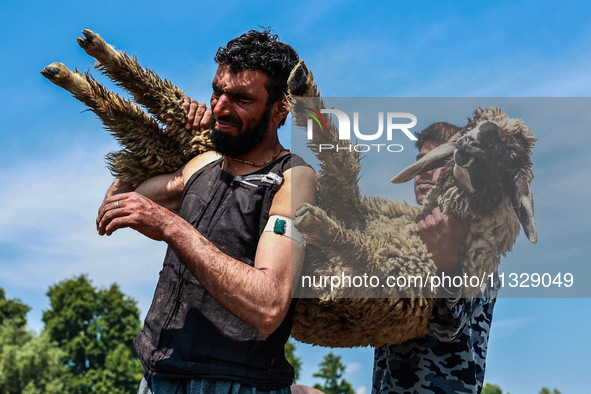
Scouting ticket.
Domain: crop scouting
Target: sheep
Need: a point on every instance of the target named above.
(486, 177)
(147, 148)
(372, 232)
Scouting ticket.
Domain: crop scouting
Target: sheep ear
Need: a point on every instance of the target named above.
(523, 204)
(434, 159)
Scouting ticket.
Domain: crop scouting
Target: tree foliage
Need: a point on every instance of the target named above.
(13, 309)
(331, 372)
(494, 389)
(491, 389)
(28, 363)
(95, 330)
(295, 361)
(546, 390)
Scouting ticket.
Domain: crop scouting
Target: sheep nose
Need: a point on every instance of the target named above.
(462, 158)
(467, 141)
(464, 151)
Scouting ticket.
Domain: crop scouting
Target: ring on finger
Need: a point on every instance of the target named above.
(117, 204)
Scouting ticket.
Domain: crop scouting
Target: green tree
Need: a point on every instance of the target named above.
(331, 371)
(13, 309)
(28, 364)
(491, 389)
(295, 361)
(546, 390)
(95, 330)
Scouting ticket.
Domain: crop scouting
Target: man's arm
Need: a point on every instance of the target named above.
(118, 187)
(444, 235)
(259, 295)
(450, 317)
(165, 189)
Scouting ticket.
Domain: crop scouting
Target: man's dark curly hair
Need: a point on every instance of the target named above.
(440, 131)
(262, 51)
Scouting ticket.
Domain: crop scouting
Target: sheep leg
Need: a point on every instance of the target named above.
(161, 98)
(144, 155)
(338, 189)
(329, 235)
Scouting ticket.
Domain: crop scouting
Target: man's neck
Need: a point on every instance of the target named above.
(261, 155)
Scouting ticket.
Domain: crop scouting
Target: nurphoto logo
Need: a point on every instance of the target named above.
(396, 123)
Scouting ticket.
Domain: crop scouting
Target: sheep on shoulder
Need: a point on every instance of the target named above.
(486, 177)
(376, 233)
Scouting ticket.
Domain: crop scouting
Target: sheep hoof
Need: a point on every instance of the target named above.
(309, 218)
(54, 71)
(301, 81)
(297, 80)
(88, 40)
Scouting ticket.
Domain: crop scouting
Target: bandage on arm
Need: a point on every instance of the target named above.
(282, 225)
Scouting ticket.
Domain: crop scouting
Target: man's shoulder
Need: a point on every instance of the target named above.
(295, 167)
(299, 186)
(297, 171)
(199, 162)
(297, 161)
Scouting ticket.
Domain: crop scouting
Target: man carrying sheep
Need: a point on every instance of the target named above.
(222, 309)
(451, 359)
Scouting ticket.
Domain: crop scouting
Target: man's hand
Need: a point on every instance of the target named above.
(198, 115)
(443, 235)
(134, 211)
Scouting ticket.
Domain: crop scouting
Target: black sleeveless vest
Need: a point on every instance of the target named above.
(187, 334)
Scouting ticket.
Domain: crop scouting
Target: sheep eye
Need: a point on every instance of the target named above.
(513, 155)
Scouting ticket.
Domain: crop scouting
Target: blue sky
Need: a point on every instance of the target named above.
(53, 174)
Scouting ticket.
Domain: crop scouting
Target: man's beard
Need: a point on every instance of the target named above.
(244, 141)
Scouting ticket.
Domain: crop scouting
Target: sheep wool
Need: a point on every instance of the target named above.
(147, 149)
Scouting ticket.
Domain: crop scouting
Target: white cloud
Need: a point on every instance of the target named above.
(352, 367)
(504, 328)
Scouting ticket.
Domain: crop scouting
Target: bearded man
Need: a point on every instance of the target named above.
(222, 309)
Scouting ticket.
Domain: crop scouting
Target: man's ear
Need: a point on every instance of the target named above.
(280, 110)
